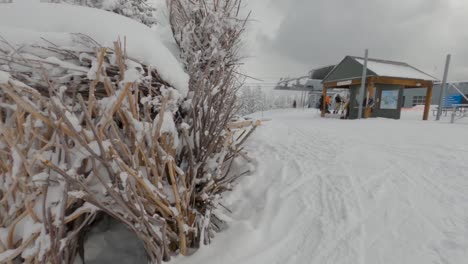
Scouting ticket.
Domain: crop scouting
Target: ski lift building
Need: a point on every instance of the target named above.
(385, 84)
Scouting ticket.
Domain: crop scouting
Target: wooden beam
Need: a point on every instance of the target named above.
(370, 89)
(427, 106)
(324, 100)
(240, 124)
(412, 87)
(400, 81)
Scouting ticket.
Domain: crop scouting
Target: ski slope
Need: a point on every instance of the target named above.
(338, 191)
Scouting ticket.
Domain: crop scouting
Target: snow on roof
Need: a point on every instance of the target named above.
(27, 22)
(395, 69)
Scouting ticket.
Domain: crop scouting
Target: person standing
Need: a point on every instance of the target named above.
(320, 103)
(328, 103)
(294, 104)
(338, 102)
(345, 111)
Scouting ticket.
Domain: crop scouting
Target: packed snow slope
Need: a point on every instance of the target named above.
(338, 191)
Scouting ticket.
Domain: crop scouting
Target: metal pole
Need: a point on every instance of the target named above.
(363, 84)
(302, 99)
(454, 108)
(442, 88)
(305, 100)
(263, 105)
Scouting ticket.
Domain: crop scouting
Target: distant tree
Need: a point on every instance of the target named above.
(256, 99)
(246, 103)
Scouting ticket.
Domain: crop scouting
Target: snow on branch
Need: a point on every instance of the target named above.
(208, 33)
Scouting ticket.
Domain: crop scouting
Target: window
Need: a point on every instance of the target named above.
(419, 100)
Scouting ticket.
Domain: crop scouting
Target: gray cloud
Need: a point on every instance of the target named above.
(420, 32)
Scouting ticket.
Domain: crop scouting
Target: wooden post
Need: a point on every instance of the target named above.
(324, 95)
(370, 89)
(427, 106)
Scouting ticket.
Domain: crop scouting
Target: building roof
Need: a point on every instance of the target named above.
(395, 69)
(351, 68)
(321, 73)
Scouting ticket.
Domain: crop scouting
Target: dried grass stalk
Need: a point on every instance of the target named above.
(73, 147)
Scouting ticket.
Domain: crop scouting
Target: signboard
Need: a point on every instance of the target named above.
(452, 99)
(344, 83)
(389, 99)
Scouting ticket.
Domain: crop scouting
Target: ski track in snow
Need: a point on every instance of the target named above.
(335, 191)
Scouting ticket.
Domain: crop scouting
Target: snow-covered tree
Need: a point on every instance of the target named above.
(251, 100)
(256, 99)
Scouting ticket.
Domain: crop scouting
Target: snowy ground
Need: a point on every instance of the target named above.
(336, 191)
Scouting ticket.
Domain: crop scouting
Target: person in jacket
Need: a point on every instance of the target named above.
(338, 102)
(320, 105)
(328, 103)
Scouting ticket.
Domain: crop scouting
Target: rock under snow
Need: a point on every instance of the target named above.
(111, 242)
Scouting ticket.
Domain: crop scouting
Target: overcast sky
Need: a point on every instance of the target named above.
(291, 37)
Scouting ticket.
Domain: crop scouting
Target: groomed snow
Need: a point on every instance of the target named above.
(339, 191)
(27, 21)
(394, 70)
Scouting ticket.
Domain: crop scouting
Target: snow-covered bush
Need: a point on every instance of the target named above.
(83, 132)
(91, 126)
(208, 35)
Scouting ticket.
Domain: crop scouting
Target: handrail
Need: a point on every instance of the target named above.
(454, 111)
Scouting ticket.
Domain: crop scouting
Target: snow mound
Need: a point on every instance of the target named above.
(27, 23)
(163, 27)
